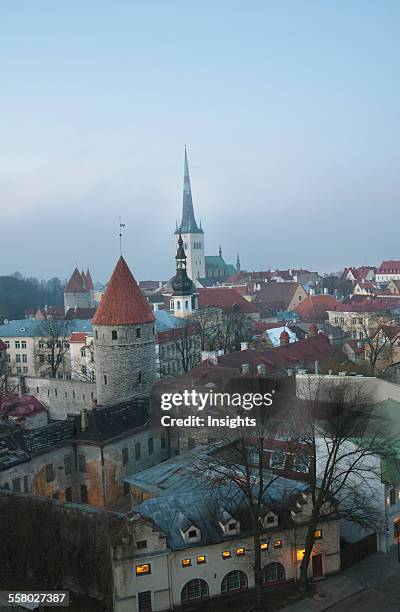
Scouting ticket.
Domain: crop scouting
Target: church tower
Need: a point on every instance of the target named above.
(192, 234)
(124, 340)
(184, 300)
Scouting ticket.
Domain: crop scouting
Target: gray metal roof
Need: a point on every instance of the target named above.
(24, 328)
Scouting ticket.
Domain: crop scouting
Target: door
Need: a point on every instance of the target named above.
(317, 569)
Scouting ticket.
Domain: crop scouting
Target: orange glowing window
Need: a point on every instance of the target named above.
(264, 545)
(318, 534)
(201, 559)
(226, 554)
(240, 551)
(278, 544)
(143, 569)
(300, 554)
(186, 562)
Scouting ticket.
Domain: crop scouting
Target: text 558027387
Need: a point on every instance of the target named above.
(41, 598)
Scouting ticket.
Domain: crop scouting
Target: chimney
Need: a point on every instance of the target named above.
(84, 419)
(245, 368)
(244, 346)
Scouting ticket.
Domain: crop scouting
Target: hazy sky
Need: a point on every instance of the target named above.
(290, 109)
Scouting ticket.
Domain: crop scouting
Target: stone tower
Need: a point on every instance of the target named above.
(76, 294)
(184, 300)
(192, 234)
(124, 340)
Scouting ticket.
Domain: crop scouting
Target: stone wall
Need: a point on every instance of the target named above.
(61, 397)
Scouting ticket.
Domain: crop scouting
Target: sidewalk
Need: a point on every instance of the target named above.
(361, 576)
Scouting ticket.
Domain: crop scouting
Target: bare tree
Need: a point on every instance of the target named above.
(53, 344)
(237, 475)
(345, 443)
(379, 335)
(187, 345)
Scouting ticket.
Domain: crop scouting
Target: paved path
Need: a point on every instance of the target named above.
(372, 584)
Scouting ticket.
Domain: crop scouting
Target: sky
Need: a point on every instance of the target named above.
(290, 111)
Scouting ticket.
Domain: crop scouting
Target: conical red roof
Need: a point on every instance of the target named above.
(123, 303)
(88, 281)
(75, 283)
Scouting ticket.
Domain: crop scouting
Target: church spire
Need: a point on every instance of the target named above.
(188, 224)
(237, 263)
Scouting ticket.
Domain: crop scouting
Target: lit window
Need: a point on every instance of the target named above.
(300, 554)
(143, 569)
(318, 534)
(186, 562)
(278, 544)
(240, 551)
(201, 559)
(264, 545)
(226, 554)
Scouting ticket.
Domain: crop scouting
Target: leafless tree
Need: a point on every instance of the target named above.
(345, 443)
(53, 344)
(379, 335)
(187, 345)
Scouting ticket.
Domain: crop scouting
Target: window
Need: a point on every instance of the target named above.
(192, 533)
(41, 358)
(114, 335)
(392, 496)
(84, 494)
(194, 589)
(271, 518)
(140, 570)
(200, 559)
(232, 526)
(26, 488)
(96, 335)
(84, 370)
(140, 378)
(23, 344)
(125, 456)
(17, 344)
(18, 358)
(81, 463)
(68, 464)
(16, 484)
(24, 358)
(274, 572)
(318, 534)
(162, 442)
(137, 451)
(138, 332)
(141, 544)
(126, 489)
(226, 554)
(277, 459)
(25, 370)
(105, 379)
(278, 544)
(68, 494)
(240, 551)
(55, 495)
(186, 562)
(49, 472)
(18, 370)
(144, 601)
(302, 463)
(8, 344)
(68, 375)
(264, 546)
(150, 446)
(234, 581)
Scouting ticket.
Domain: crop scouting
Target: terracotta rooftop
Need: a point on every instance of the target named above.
(390, 266)
(88, 281)
(75, 283)
(123, 303)
(225, 298)
(315, 305)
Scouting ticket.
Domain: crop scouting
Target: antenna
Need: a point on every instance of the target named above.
(121, 225)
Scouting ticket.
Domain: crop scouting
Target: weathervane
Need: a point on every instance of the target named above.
(121, 225)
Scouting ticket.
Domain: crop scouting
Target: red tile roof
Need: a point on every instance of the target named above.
(123, 303)
(315, 305)
(303, 352)
(78, 337)
(387, 267)
(224, 298)
(88, 281)
(370, 305)
(21, 406)
(75, 283)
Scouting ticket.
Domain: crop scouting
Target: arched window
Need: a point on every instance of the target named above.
(234, 581)
(194, 590)
(277, 459)
(274, 572)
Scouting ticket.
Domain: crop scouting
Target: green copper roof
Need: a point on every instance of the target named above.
(188, 223)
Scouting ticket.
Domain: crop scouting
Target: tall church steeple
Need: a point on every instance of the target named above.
(192, 234)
